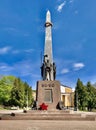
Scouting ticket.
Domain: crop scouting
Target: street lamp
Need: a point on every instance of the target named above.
(27, 100)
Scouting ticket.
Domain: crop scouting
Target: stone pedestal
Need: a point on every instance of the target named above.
(48, 92)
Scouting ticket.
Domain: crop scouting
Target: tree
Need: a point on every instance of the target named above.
(28, 95)
(21, 94)
(91, 96)
(17, 93)
(6, 84)
(14, 92)
(80, 98)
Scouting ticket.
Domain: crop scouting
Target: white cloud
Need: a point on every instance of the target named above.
(23, 68)
(64, 71)
(60, 7)
(21, 51)
(29, 50)
(71, 1)
(5, 50)
(16, 31)
(78, 66)
(4, 68)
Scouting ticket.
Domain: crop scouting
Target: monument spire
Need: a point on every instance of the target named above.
(48, 69)
(48, 37)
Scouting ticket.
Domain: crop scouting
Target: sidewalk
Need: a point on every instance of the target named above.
(47, 125)
(82, 112)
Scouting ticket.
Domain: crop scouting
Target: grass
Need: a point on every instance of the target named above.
(4, 107)
(93, 110)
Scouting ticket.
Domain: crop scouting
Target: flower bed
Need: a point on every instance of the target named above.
(43, 106)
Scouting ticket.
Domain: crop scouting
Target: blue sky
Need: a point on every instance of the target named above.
(22, 36)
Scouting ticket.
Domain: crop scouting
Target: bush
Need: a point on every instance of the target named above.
(25, 111)
(12, 114)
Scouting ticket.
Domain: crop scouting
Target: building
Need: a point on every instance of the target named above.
(34, 94)
(67, 96)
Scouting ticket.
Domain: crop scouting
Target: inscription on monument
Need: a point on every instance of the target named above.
(48, 95)
(48, 85)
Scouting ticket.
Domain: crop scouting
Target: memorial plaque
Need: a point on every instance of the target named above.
(48, 95)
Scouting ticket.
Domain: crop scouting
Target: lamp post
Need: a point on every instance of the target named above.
(27, 100)
(76, 101)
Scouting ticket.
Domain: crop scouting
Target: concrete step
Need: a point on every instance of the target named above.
(53, 115)
(71, 118)
(48, 115)
(49, 111)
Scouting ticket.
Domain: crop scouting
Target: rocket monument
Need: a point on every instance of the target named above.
(48, 69)
(48, 89)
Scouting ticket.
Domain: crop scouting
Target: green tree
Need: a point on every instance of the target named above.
(80, 98)
(14, 92)
(28, 95)
(6, 84)
(17, 93)
(91, 96)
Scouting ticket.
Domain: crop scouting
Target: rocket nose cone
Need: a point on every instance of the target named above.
(48, 16)
(48, 12)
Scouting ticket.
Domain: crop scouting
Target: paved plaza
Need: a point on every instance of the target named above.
(46, 125)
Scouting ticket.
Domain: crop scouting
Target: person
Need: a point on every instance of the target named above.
(48, 70)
